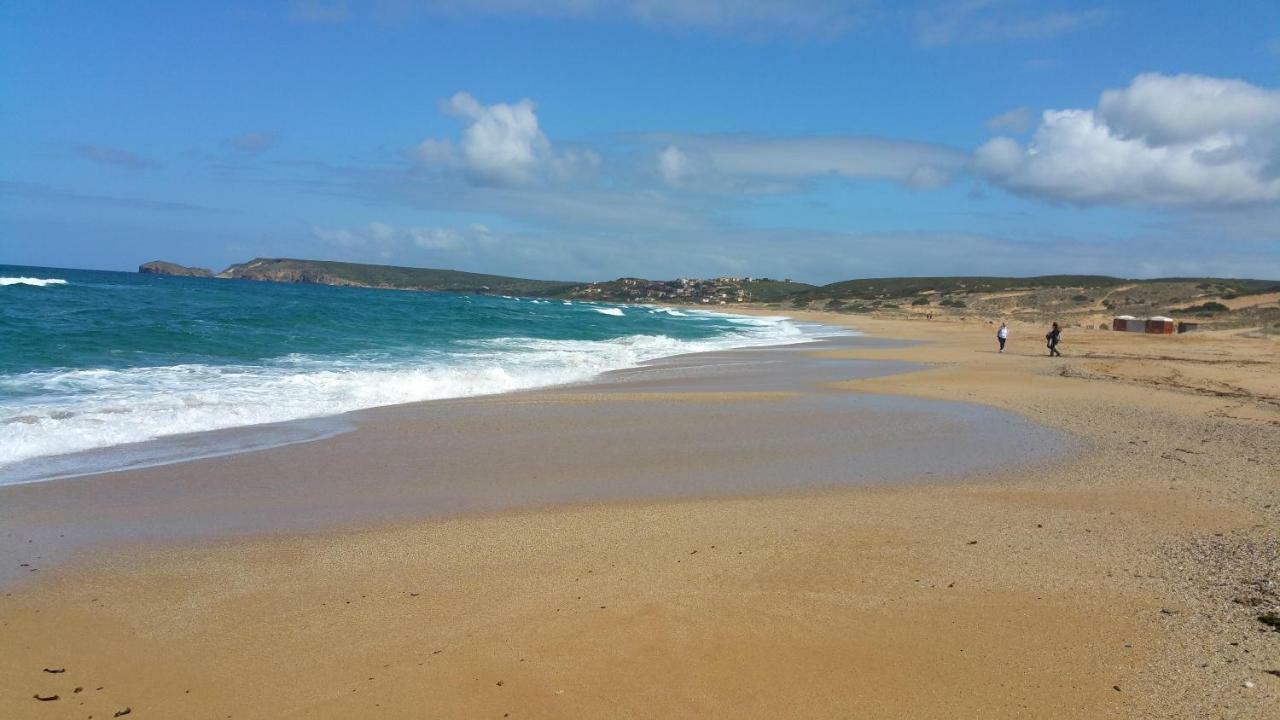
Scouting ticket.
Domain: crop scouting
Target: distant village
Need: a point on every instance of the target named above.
(708, 291)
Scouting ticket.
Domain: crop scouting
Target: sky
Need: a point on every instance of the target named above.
(819, 140)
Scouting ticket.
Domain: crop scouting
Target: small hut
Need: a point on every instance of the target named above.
(1186, 327)
(1128, 323)
(1160, 325)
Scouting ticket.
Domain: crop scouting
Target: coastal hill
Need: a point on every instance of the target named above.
(160, 267)
(1082, 300)
(322, 272)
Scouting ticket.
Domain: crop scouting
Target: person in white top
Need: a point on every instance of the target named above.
(1002, 335)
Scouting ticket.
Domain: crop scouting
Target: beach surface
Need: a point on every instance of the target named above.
(906, 525)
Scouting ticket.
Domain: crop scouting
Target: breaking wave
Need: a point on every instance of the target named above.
(36, 282)
(60, 411)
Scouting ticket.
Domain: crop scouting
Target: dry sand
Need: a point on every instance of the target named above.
(1121, 579)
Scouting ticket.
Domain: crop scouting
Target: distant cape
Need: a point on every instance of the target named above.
(160, 267)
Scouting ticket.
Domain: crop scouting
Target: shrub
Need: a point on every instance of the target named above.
(1082, 298)
(920, 301)
(1209, 307)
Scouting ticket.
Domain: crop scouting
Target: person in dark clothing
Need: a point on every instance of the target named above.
(1052, 338)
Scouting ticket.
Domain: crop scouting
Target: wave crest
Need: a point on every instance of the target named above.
(36, 282)
(67, 411)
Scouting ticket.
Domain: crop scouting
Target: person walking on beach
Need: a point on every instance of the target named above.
(1052, 338)
(1002, 335)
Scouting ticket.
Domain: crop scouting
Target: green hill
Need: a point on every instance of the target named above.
(322, 272)
(906, 287)
(1080, 298)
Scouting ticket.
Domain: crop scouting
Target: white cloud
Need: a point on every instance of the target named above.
(1016, 121)
(1167, 109)
(673, 165)
(971, 21)
(383, 240)
(727, 163)
(1163, 141)
(574, 164)
(435, 152)
(503, 145)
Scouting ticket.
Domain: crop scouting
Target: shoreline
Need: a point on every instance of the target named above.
(1099, 584)
(659, 404)
(229, 441)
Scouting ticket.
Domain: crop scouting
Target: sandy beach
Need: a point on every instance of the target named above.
(907, 525)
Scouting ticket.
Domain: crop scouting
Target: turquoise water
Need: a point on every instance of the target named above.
(92, 359)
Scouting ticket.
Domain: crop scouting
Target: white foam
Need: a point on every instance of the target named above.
(60, 412)
(617, 312)
(37, 282)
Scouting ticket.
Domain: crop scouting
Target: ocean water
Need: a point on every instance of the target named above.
(92, 360)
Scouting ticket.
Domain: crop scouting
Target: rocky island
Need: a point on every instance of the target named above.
(160, 267)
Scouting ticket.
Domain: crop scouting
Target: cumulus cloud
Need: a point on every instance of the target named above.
(746, 163)
(1164, 109)
(673, 165)
(1016, 121)
(113, 156)
(503, 145)
(1184, 140)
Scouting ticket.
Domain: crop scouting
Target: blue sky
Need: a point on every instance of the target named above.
(588, 139)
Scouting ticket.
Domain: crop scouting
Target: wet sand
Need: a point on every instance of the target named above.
(1092, 572)
(749, 421)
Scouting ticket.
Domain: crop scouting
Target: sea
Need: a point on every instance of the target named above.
(108, 370)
